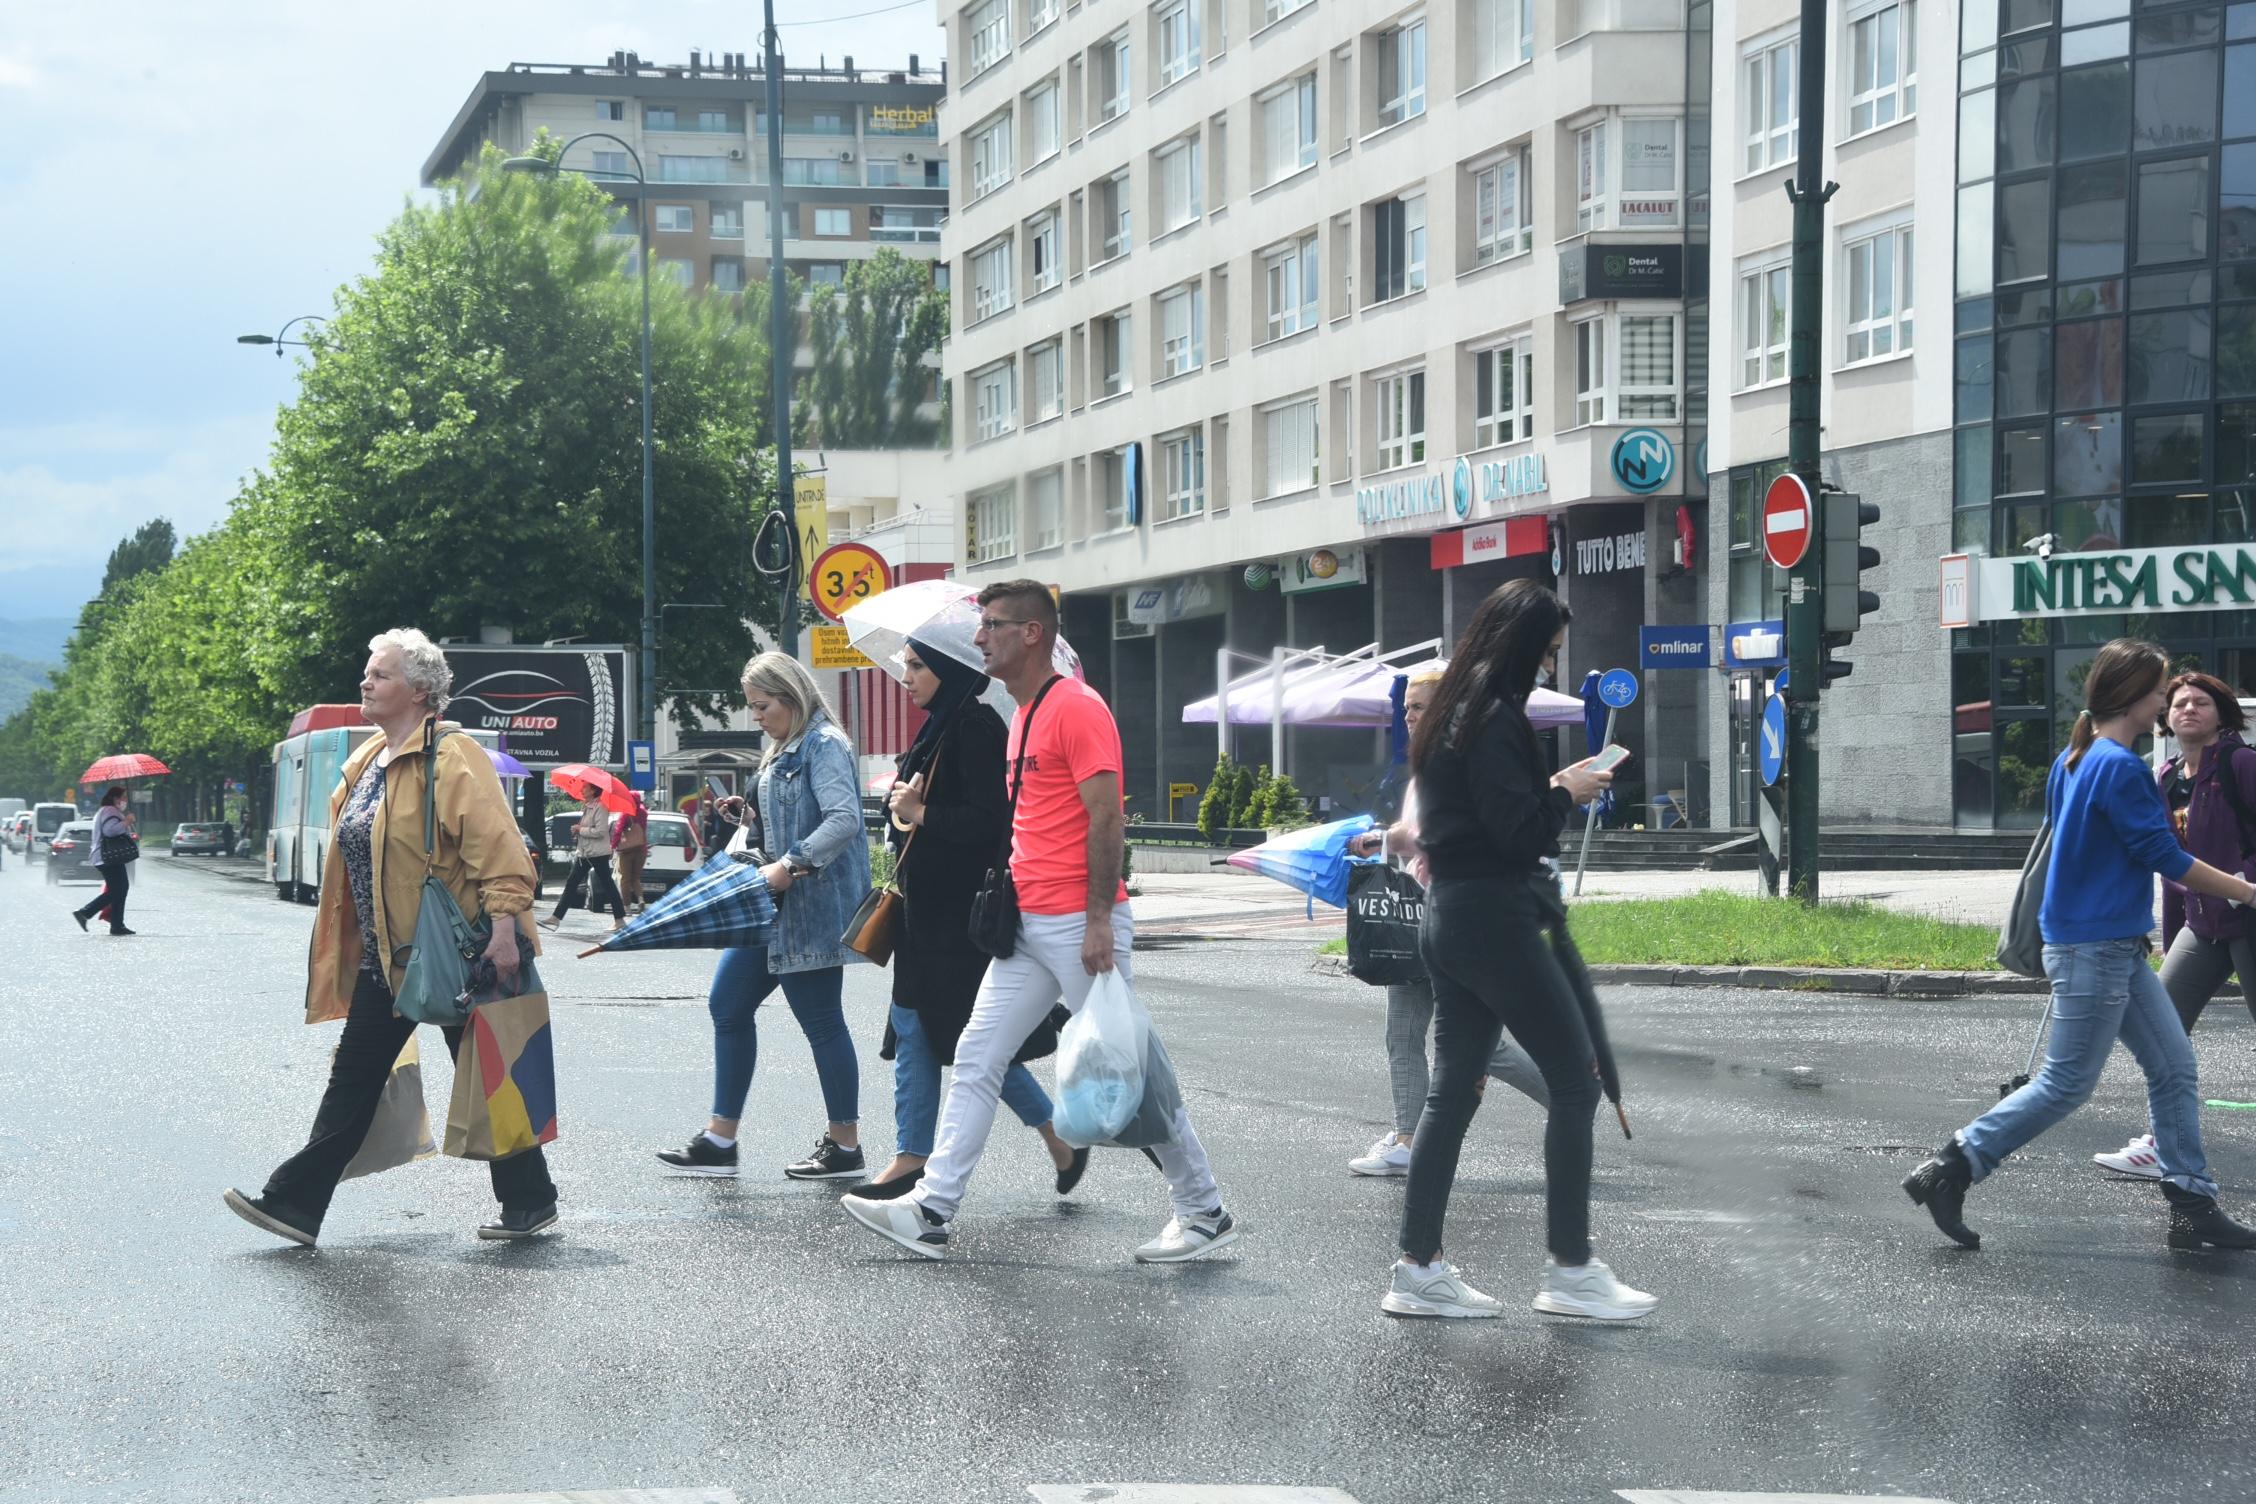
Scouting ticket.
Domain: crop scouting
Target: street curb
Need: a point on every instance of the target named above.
(1848, 981)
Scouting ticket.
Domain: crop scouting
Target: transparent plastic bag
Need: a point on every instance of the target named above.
(1101, 1064)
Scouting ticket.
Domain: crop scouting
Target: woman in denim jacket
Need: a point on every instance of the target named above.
(807, 821)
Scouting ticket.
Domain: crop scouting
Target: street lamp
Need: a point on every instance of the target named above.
(277, 341)
(647, 675)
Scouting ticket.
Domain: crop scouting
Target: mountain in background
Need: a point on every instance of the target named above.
(40, 641)
(20, 679)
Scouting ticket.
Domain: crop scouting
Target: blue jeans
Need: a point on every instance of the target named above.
(916, 1088)
(2101, 991)
(740, 984)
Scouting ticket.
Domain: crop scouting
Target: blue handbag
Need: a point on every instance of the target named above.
(435, 986)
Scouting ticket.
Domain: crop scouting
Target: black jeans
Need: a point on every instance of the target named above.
(575, 895)
(1496, 965)
(374, 1036)
(112, 896)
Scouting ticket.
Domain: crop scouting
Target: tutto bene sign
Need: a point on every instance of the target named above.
(2134, 579)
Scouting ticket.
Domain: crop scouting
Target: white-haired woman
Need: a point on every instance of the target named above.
(808, 806)
(371, 891)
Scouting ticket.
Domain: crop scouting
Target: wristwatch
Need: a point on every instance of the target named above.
(797, 868)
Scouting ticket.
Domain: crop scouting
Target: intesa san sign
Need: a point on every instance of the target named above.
(2198, 578)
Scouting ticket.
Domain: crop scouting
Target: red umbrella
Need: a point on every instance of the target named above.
(577, 778)
(122, 765)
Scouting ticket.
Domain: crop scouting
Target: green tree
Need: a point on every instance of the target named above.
(871, 336)
(1214, 805)
(147, 551)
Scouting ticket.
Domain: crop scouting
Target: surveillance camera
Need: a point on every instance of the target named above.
(2044, 544)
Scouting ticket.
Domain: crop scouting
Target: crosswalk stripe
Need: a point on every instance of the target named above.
(600, 1496)
(1185, 1493)
(1730, 1496)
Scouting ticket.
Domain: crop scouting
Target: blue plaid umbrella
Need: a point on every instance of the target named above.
(723, 903)
(1314, 860)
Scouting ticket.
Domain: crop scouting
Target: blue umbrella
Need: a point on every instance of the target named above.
(1313, 860)
(1594, 715)
(723, 903)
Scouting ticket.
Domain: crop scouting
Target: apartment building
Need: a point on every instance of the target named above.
(1307, 323)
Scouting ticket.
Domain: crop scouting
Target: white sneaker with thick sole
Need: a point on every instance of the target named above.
(1179, 1241)
(1441, 1293)
(2136, 1158)
(902, 1222)
(1387, 1158)
(1592, 1291)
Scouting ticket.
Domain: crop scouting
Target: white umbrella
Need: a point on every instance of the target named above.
(943, 615)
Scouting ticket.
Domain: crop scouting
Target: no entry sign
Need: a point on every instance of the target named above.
(1787, 519)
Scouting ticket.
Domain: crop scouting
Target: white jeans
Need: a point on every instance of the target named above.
(1013, 998)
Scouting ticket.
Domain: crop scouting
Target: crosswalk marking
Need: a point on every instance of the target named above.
(1185, 1493)
(600, 1496)
(1702, 1496)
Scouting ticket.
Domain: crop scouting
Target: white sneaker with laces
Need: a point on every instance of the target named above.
(2136, 1158)
(902, 1222)
(1590, 1290)
(1179, 1241)
(1440, 1293)
(1387, 1158)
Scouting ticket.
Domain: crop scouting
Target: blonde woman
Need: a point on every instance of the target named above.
(808, 808)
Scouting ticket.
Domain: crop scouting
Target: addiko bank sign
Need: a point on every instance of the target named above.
(2199, 578)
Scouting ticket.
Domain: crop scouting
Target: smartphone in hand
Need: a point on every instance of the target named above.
(1612, 757)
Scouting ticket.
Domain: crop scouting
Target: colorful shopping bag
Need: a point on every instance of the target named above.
(504, 1080)
(401, 1133)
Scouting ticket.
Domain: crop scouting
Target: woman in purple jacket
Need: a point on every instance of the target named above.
(2205, 940)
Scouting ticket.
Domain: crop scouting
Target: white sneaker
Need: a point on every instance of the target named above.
(902, 1221)
(1442, 1293)
(1592, 1291)
(2136, 1158)
(1179, 1242)
(1388, 1157)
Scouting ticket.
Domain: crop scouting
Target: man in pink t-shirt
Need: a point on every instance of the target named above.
(1074, 923)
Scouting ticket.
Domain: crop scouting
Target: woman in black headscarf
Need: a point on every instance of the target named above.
(950, 795)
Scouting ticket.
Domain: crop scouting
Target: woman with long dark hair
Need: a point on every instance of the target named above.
(1496, 945)
(2110, 835)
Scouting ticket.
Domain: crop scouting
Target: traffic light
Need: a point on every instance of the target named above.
(1847, 557)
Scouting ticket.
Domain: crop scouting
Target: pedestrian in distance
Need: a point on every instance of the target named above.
(2110, 835)
(630, 847)
(950, 809)
(363, 931)
(589, 883)
(1074, 924)
(808, 805)
(1410, 1005)
(1495, 942)
(2210, 789)
(112, 826)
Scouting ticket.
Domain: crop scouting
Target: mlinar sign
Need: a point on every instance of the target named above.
(2120, 580)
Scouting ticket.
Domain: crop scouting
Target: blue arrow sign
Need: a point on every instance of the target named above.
(1617, 688)
(1772, 749)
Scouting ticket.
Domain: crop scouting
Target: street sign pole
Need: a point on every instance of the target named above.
(1805, 598)
(1617, 691)
(1582, 862)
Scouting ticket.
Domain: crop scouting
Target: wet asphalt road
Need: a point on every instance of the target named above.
(1815, 1333)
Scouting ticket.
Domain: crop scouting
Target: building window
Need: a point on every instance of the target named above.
(1042, 124)
(1109, 203)
(1113, 355)
(1042, 253)
(1398, 237)
(819, 172)
(994, 401)
(1503, 394)
(713, 120)
(1288, 129)
(683, 272)
(659, 117)
(1179, 186)
(1648, 387)
(1400, 403)
(987, 34)
(1045, 380)
(1503, 34)
(694, 169)
(990, 155)
(1110, 71)
(1883, 66)
(1290, 431)
(1878, 274)
(1503, 209)
(1277, 10)
(1765, 298)
(1040, 13)
(1182, 331)
(1649, 162)
(1590, 372)
(1112, 487)
(1045, 510)
(1402, 72)
(612, 164)
(728, 223)
(1178, 27)
(1590, 177)
(833, 223)
(991, 280)
(728, 274)
(826, 274)
(1290, 277)
(676, 219)
(1773, 101)
(993, 518)
(611, 109)
(1182, 464)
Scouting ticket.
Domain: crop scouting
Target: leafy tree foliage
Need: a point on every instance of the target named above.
(871, 337)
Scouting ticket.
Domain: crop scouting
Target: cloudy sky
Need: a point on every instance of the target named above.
(177, 176)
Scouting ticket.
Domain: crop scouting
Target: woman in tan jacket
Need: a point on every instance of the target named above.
(371, 890)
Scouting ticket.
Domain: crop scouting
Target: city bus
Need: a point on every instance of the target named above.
(307, 766)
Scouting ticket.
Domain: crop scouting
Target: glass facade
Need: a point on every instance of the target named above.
(2105, 370)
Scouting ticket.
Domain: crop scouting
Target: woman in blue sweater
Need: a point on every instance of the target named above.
(2110, 835)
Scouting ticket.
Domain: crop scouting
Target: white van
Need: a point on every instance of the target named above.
(46, 819)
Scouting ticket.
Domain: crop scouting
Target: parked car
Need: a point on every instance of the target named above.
(203, 838)
(69, 854)
(665, 865)
(17, 831)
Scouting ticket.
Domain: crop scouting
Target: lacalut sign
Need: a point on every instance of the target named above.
(2198, 578)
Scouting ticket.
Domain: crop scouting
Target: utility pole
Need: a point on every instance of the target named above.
(782, 336)
(1805, 593)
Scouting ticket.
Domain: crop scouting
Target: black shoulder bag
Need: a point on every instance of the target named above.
(994, 909)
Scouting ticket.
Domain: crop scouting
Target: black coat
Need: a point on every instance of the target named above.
(936, 968)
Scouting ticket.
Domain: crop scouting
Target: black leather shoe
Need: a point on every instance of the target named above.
(272, 1216)
(2197, 1220)
(890, 1190)
(81, 918)
(522, 1222)
(1070, 1176)
(1940, 1185)
(119, 929)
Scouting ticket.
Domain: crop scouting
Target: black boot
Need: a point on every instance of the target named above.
(1940, 1185)
(2195, 1220)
